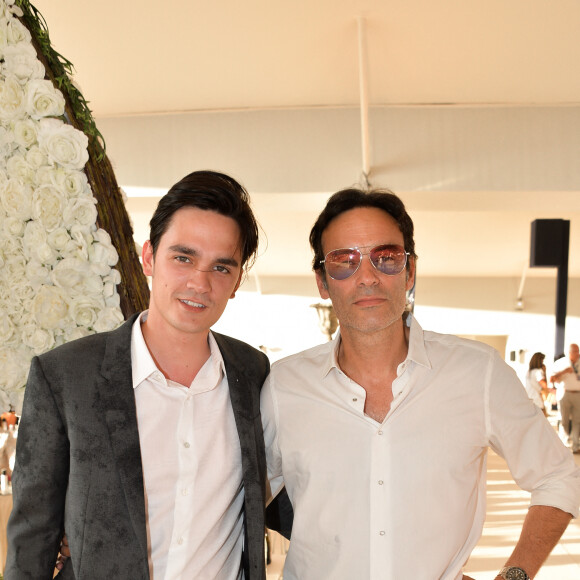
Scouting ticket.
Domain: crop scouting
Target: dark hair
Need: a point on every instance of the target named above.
(352, 198)
(211, 191)
(537, 360)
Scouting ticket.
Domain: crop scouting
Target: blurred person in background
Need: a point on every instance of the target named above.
(566, 376)
(536, 385)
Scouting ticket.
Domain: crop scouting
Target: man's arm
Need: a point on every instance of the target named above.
(543, 527)
(557, 377)
(40, 481)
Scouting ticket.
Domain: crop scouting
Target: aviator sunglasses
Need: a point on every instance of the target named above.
(343, 263)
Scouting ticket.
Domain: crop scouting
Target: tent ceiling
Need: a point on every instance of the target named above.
(143, 57)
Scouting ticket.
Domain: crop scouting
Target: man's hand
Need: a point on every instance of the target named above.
(64, 553)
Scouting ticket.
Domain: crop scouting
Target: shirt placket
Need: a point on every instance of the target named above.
(379, 517)
(184, 505)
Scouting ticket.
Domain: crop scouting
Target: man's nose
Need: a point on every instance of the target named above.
(199, 280)
(367, 273)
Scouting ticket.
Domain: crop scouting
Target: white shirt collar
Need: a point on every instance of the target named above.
(143, 366)
(416, 353)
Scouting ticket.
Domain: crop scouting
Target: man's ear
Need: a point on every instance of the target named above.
(322, 285)
(147, 258)
(233, 294)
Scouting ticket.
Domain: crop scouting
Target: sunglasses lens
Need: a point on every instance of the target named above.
(389, 259)
(340, 264)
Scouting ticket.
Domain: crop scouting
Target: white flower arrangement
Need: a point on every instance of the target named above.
(57, 281)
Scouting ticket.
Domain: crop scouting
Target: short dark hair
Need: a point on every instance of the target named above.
(211, 191)
(353, 198)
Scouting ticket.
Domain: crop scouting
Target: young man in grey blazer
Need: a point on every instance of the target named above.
(145, 444)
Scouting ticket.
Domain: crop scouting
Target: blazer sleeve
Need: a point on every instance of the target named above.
(39, 484)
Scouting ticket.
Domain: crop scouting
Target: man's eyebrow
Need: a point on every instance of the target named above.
(179, 249)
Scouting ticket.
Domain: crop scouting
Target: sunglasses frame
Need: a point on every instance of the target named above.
(362, 254)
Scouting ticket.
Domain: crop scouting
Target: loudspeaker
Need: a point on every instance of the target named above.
(550, 239)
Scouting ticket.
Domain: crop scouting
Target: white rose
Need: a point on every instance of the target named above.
(5, 11)
(37, 339)
(43, 99)
(75, 332)
(34, 236)
(18, 168)
(44, 171)
(110, 284)
(12, 101)
(92, 284)
(37, 274)
(45, 254)
(47, 206)
(108, 319)
(25, 132)
(76, 184)
(9, 247)
(16, 199)
(113, 301)
(58, 239)
(18, 33)
(99, 268)
(73, 183)
(63, 144)
(7, 330)
(49, 307)
(114, 277)
(69, 273)
(110, 293)
(81, 210)
(84, 310)
(7, 145)
(21, 62)
(23, 293)
(3, 31)
(81, 239)
(14, 363)
(15, 267)
(37, 159)
(13, 227)
(103, 252)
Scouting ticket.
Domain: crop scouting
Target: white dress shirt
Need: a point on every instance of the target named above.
(192, 469)
(533, 386)
(404, 498)
(570, 381)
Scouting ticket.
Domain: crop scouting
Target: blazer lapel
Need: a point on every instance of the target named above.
(245, 381)
(118, 403)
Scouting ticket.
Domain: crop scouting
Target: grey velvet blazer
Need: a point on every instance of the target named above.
(78, 461)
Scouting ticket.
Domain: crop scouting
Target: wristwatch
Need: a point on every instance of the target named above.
(513, 573)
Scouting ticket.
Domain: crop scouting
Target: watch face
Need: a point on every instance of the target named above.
(516, 574)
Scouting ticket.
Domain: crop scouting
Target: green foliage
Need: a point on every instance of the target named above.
(62, 71)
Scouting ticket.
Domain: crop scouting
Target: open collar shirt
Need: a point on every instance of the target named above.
(571, 381)
(192, 469)
(404, 498)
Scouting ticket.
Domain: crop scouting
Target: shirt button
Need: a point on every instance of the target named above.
(380, 482)
(355, 400)
(180, 541)
(380, 432)
(187, 445)
(184, 491)
(381, 533)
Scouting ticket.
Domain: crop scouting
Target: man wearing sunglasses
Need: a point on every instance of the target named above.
(381, 435)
